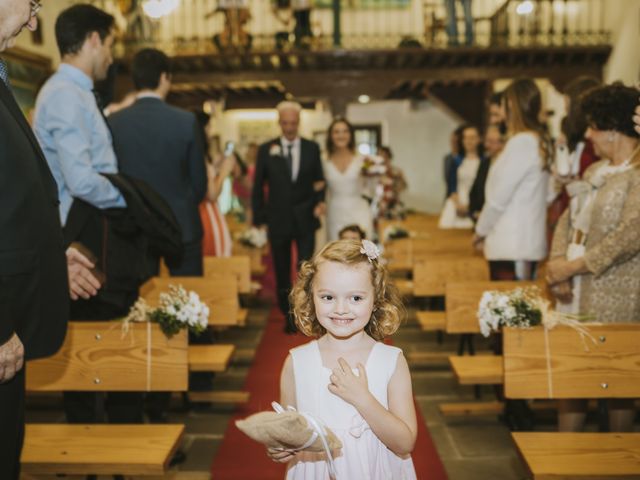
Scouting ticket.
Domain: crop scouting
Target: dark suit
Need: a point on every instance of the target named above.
(34, 289)
(162, 145)
(287, 208)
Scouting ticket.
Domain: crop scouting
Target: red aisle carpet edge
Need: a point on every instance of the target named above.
(240, 458)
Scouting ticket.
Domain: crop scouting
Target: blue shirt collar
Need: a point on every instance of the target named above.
(76, 75)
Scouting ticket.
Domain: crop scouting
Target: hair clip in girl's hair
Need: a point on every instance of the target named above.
(370, 250)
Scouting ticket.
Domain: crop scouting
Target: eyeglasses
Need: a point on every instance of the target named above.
(36, 6)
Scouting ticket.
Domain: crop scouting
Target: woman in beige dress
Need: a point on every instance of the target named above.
(595, 257)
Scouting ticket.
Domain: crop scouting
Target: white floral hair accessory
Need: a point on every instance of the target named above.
(370, 250)
(275, 150)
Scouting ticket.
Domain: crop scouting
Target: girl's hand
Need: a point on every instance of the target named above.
(280, 455)
(348, 386)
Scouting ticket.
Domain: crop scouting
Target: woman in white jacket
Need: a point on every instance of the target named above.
(512, 226)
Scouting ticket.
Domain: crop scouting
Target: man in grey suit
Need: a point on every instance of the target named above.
(163, 146)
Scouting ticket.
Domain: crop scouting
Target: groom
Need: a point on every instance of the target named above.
(290, 168)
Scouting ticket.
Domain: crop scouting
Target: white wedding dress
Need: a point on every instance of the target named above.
(345, 204)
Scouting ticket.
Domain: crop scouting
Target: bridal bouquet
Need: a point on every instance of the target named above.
(373, 165)
(178, 309)
(522, 307)
(253, 237)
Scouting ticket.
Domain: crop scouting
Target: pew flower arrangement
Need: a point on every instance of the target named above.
(178, 309)
(253, 237)
(393, 232)
(524, 308)
(521, 307)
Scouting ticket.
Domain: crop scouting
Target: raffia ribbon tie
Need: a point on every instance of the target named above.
(550, 320)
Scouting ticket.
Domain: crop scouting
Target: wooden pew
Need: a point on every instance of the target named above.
(607, 368)
(431, 274)
(413, 223)
(219, 292)
(96, 356)
(240, 267)
(404, 253)
(462, 299)
(255, 255)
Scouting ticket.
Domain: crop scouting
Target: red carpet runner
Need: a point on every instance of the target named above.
(240, 458)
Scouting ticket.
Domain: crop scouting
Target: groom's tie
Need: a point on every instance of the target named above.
(289, 158)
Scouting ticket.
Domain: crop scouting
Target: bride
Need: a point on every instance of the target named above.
(346, 184)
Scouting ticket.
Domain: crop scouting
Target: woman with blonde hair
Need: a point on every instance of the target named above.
(511, 227)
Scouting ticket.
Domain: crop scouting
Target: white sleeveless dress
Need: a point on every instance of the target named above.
(363, 456)
(345, 205)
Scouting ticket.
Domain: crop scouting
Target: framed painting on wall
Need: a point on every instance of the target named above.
(27, 73)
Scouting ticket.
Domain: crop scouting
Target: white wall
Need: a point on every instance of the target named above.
(418, 134)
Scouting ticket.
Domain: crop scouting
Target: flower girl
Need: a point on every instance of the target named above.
(347, 378)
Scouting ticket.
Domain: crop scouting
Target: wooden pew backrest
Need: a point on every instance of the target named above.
(239, 266)
(608, 368)
(97, 356)
(430, 276)
(219, 292)
(462, 300)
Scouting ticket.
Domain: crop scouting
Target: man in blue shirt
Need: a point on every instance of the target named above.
(68, 122)
(76, 141)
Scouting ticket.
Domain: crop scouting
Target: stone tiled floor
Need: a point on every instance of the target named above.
(477, 448)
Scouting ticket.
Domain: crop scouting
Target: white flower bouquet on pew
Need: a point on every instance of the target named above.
(393, 232)
(523, 308)
(178, 309)
(253, 237)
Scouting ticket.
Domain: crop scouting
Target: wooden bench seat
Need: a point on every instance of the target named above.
(210, 358)
(99, 357)
(478, 369)
(555, 455)
(603, 366)
(99, 449)
(431, 321)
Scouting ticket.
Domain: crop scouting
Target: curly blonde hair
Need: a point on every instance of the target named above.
(388, 310)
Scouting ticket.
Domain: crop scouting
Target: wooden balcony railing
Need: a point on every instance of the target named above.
(197, 27)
